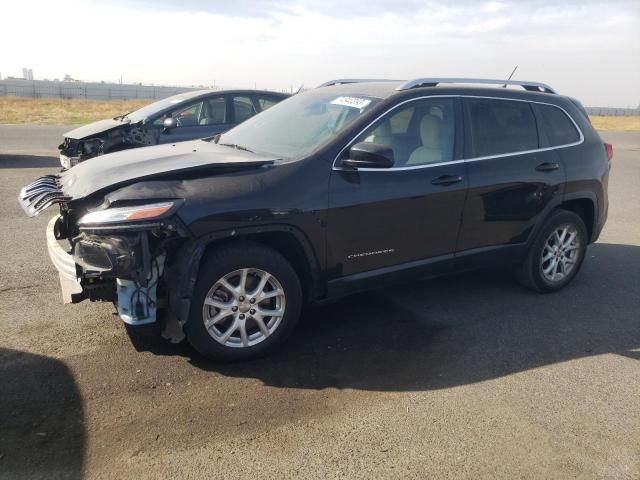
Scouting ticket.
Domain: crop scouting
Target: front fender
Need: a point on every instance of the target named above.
(181, 271)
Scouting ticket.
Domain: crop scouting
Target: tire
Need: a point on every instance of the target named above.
(543, 276)
(228, 308)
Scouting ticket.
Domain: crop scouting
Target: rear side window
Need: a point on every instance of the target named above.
(215, 112)
(557, 127)
(266, 102)
(242, 109)
(502, 126)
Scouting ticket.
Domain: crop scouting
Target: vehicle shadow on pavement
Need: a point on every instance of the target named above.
(28, 161)
(458, 330)
(42, 433)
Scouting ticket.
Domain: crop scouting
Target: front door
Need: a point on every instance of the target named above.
(408, 213)
(204, 118)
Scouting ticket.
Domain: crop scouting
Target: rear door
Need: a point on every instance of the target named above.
(262, 101)
(242, 108)
(513, 179)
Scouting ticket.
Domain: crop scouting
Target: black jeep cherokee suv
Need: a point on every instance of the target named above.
(346, 187)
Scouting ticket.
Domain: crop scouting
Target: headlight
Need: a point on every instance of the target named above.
(125, 214)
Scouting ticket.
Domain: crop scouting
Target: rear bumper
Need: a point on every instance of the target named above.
(66, 266)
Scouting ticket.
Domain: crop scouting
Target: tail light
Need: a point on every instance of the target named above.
(609, 149)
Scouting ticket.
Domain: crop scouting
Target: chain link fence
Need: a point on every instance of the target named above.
(116, 91)
(93, 91)
(611, 112)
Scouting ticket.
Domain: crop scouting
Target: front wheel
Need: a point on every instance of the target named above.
(556, 254)
(246, 301)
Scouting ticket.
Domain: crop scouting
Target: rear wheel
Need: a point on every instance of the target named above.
(557, 253)
(246, 302)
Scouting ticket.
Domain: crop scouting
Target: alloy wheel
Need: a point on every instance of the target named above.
(560, 253)
(244, 308)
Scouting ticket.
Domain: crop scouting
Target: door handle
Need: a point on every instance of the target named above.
(548, 167)
(446, 180)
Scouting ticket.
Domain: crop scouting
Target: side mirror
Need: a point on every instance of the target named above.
(369, 155)
(169, 123)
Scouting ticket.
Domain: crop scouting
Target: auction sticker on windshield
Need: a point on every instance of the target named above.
(354, 102)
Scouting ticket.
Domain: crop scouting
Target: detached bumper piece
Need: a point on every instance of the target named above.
(66, 266)
(41, 194)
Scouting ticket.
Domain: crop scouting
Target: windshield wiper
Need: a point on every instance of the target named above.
(236, 146)
(122, 117)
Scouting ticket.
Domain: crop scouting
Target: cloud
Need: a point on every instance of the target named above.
(588, 49)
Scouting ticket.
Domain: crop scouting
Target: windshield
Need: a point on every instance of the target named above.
(156, 107)
(299, 125)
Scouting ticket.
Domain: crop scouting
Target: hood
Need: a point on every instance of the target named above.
(94, 128)
(159, 161)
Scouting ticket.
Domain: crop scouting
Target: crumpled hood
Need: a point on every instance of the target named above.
(130, 166)
(94, 128)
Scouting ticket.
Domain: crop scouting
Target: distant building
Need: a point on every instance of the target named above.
(27, 74)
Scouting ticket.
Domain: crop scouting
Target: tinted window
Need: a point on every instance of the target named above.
(186, 116)
(242, 109)
(558, 128)
(419, 133)
(215, 111)
(501, 126)
(266, 102)
(150, 110)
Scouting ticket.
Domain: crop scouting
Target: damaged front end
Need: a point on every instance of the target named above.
(120, 234)
(73, 151)
(123, 266)
(77, 148)
(108, 252)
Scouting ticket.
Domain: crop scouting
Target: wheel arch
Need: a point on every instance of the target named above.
(583, 203)
(585, 208)
(287, 241)
(181, 272)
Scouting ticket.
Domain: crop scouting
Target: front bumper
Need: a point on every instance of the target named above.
(66, 266)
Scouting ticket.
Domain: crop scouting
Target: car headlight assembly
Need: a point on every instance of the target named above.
(152, 211)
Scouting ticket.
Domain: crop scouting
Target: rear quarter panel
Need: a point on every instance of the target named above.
(587, 167)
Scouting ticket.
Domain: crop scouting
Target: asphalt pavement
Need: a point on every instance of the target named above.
(463, 377)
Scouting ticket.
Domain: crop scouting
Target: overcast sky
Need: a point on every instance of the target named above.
(590, 50)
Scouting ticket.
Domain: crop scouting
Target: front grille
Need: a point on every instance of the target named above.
(41, 194)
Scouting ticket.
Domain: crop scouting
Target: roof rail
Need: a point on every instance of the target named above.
(342, 81)
(432, 82)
